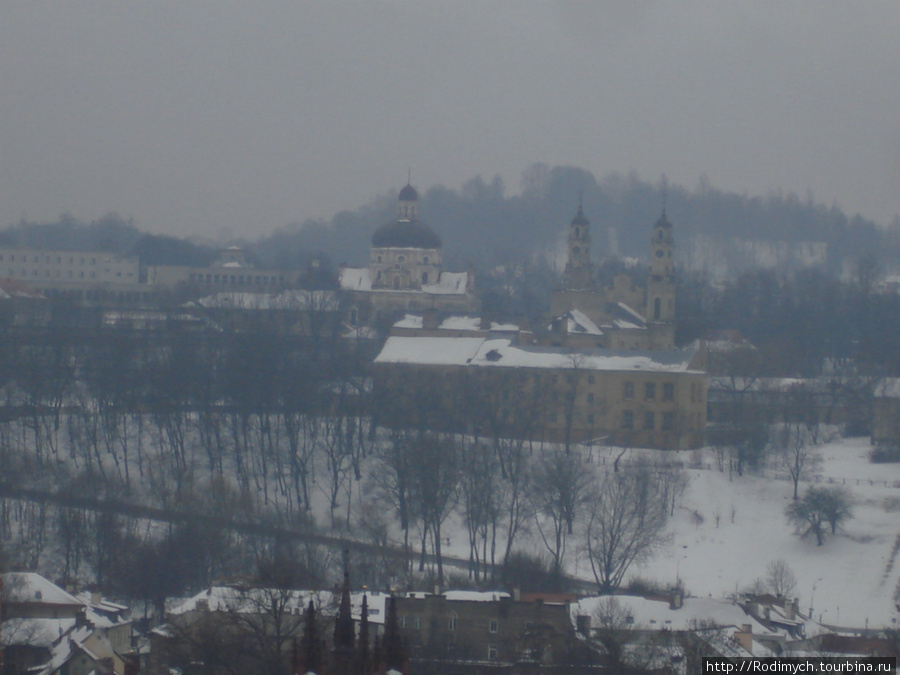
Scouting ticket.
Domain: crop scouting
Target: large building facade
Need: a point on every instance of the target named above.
(496, 386)
(405, 272)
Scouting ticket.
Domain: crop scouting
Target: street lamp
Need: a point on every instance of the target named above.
(811, 596)
(677, 572)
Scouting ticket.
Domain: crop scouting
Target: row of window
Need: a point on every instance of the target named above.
(668, 420)
(57, 274)
(668, 391)
(236, 279)
(415, 622)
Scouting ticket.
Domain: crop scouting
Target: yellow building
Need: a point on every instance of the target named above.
(495, 386)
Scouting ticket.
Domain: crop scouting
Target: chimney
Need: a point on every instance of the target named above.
(744, 637)
(583, 625)
(96, 598)
(676, 601)
(430, 319)
(790, 611)
(517, 594)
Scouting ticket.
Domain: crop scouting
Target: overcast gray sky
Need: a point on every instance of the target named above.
(202, 117)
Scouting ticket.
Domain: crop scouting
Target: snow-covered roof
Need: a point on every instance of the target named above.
(450, 283)
(461, 323)
(476, 596)
(889, 387)
(257, 600)
(33, 588)
(445, 351)
(410, 321)
(578, 322)
(501, 352)
(656, 614)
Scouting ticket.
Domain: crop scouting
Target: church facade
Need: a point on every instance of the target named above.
(624, 315)
(405, 273)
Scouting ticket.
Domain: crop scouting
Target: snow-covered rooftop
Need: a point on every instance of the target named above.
(33, 588)
(501, 352)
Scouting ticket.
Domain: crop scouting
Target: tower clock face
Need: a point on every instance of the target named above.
(659, 253)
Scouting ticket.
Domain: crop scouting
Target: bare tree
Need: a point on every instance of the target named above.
(780, 578)
(559, 490)
(797, 452)
(626, 525)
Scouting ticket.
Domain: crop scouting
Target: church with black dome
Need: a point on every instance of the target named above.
(405, 271)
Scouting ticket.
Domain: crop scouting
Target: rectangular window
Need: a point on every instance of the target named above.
(402, 622)
(668, 423)
(649, 391)
(493, 626)
(649, 420)
(590, 419)
(628, 419)
(669, 391)
(417, 622)
(492, 652)
(590, 398)
(628, 391)
(452, 624)
(590, 379)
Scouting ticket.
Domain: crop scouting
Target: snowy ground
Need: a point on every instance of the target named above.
(853, 573)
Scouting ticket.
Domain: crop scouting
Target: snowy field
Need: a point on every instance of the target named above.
(853, 573)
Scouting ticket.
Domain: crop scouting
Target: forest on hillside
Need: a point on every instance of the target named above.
(483, 224)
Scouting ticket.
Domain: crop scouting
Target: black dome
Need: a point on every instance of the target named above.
(409, 194)
(405, 234)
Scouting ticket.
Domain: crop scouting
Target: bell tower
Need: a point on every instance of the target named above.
(661, 284)
(578, 274)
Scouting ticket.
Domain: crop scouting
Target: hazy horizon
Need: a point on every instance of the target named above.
(197, 118)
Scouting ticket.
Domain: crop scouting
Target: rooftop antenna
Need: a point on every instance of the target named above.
(409, 175)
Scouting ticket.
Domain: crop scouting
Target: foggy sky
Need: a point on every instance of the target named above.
(215, 117)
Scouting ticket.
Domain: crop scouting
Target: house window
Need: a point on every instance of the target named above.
(590, 419)
(492, 652)
(425, 260)
(590, 379)
(668, 423)
(402, 622)
(628, 390)
(649, 390)
(493, 626)
(649, 420)
(401, 258)
(424, 277)
(669, 391)
(417, 622)
(628, 419)
(590, 398)
(451, 626)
